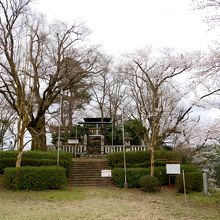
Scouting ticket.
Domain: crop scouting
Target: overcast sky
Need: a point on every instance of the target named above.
(122, 26)
(125, 25)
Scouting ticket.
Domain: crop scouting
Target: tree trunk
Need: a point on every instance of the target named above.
(19, 158)
(38, 134)
(152, 161)
(20, 141)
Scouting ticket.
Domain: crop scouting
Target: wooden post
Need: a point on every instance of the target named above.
(184, 186)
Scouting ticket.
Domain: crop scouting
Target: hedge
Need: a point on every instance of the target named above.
(8, 154)
(35, 158)
(142, 165)
(131, 158)
(160, 173)
(37, 154)
(134, 174)
(143, 157)
(217, 169)
(189, 168)
(35, 178)
(6, 162)
(149, 183)
(48, 155)
(193, 180)
(46, 162)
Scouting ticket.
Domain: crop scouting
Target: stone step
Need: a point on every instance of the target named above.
(90, 168)
(87, 172)
(90, 165)
(87, 179)
(89, 183)
(85, 176)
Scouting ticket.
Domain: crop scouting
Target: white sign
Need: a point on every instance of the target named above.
(73, 141)
(173, 168)
(106, 173)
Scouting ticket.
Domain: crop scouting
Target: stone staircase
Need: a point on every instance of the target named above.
(87, 172)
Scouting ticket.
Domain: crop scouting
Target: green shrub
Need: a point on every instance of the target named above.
(133, 176)
(118, 177)
(142, 165)
(132, 165)
(6, 162)
(46, 162)
(137, 157)
(66, 164)
(189, 168)
(193, 181)
(47, 155)
(8, 154)
(35, 158)
(131, 158)
(149, 183)
(37, 154)
(160, 173)
(37, 162)
(142, 158)
(35, 178)
(217, 169)
(65, 158)
(166, 155)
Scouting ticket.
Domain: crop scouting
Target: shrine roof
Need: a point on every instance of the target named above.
(96, 121)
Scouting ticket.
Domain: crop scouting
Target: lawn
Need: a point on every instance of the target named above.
(106, 203)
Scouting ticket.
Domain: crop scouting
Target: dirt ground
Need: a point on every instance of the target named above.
(103, 203)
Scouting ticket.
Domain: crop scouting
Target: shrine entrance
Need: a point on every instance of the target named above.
(94, 144)
(95, 137)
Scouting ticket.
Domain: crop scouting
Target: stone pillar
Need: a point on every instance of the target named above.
(102, 144)
(85, 140)
(205, 184)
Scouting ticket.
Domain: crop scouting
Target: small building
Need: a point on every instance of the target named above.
(95, 137)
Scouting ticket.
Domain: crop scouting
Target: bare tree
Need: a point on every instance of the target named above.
(116, 95)
(13, 64)
(212, 8)
(7, 121)
(72, 101)
(156, 95)
(100, 88)
(37, 61)
(109, 92)
(53, 60)
(64, 68)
